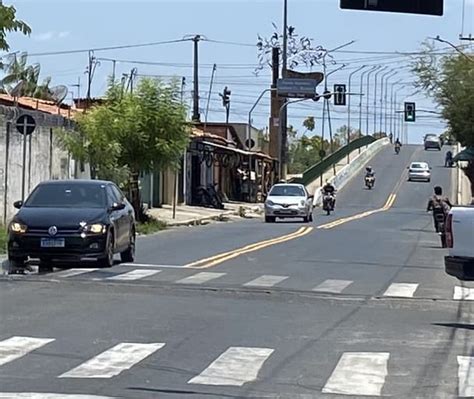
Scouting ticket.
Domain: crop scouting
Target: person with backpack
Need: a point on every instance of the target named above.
(439, 206)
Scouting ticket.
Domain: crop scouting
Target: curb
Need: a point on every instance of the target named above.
(198, 221)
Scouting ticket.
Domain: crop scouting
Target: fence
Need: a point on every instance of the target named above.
(313, 172)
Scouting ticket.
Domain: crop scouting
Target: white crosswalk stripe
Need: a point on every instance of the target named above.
(402, 290)
(113, 361)
(359, 373)
(465, 376)
(134, 275)
(199, 278)
(266, 281)
(16, 347)
(236, 366)
(334, 286)
(73, 272)
(463, 293)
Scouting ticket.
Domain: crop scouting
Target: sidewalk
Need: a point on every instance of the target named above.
(194, 215)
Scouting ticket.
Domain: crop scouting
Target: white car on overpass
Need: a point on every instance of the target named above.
(289, 200)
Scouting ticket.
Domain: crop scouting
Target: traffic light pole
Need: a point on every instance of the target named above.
(249, 134)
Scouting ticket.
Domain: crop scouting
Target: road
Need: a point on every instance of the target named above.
(356, 304)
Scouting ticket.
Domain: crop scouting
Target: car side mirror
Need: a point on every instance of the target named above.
(18, 204)
(117, 206)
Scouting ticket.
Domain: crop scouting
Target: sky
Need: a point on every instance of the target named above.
(231, 28)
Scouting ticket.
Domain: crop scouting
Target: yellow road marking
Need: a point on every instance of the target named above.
(388, 204)
(225, 256)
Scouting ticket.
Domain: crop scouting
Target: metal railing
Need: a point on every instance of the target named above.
(315, 171)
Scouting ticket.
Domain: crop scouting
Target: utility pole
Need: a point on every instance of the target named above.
(275, 104)
(92, 64)
(284, 115)
(196, 116)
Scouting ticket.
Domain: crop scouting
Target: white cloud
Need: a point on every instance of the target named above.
(51, 35)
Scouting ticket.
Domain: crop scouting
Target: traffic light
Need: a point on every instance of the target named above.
(226, 97)
(410, 112)
(339, 94)
(427, 7)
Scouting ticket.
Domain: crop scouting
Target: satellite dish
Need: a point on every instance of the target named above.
(15, 91)
(59, 93)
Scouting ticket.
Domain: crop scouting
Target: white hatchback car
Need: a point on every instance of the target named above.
(419, 171)
(287, 200)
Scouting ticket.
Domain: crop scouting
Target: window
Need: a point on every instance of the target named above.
(67, 195)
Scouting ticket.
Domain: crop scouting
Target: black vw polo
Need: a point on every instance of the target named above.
(73, 221)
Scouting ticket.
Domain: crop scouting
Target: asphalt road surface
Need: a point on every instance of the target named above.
(355, 304)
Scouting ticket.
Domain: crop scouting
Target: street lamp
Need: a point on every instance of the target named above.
(375, 95)
(362, 75)
(383, 98)
(437, 38)
(349, 107)
(392, 108)
(396, 124)
(377, 68)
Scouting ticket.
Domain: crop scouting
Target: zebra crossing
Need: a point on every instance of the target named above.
(351, 374)
(195, 278)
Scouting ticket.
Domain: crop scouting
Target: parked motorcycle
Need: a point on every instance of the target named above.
(369, 182)
(209, 197)
(328, 203)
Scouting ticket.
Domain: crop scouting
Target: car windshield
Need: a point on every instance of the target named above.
(287, 191)
(419, 166)
(67, 196)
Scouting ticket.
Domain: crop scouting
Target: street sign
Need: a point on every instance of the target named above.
(296, 88)
(318, 76)
(427, 7)
(26, 124)
(339, 94)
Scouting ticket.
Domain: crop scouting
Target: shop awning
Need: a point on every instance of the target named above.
(237, 150)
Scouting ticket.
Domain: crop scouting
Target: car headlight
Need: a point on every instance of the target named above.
(270, 203)
(96, 228)
(18, 228)
(302, 203)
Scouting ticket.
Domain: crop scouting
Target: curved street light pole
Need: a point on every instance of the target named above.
(349, 106)
(375, 96)
(389, 114)
(362, 75)
(377, 67)
(383, 98)
(396, 113)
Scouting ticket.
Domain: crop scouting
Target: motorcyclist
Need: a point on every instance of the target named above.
(398, 145)
(369, 172)
(438, 205)
(448, 161)
(329, 189)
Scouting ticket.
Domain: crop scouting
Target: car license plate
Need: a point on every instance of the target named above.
(286, 211)
(53, 243)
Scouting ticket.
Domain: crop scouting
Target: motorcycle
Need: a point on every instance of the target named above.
(209, 197)
(397, 149)
(328, 203)
(369, 182)
(441, 228)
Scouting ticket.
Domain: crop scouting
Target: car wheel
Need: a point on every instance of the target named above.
(311, 217)
(409, 179)
(128, 256)
(45, 265)
(428, 180)
(108, 260)
(269, 219)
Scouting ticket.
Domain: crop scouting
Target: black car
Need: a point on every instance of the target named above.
(73, 221)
